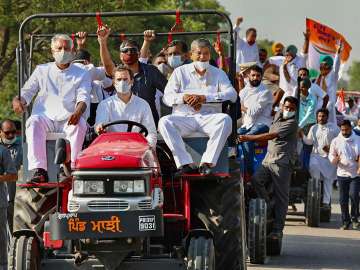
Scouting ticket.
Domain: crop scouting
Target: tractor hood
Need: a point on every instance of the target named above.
(117, 151)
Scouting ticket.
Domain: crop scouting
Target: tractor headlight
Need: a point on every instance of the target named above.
(88, 187)
(129, 186)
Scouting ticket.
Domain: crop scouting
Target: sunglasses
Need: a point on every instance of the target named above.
(129, 50)
(9, 132)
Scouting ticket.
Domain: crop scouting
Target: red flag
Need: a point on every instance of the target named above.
(73, 40)
(98, 18)
(170, 38)
(340, 102)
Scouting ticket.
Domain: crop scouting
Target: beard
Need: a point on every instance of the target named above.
(254, 83)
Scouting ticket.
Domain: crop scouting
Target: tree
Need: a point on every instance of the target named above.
(354, 73)
(13, 12)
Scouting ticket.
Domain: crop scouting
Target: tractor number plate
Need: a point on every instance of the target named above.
(102, 225)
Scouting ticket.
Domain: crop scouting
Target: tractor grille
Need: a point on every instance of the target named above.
(108, 205)
(144, 204)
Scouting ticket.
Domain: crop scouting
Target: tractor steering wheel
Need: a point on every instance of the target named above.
(130, 124)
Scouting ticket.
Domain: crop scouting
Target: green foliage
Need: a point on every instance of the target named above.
(13, 12)
(265, 44)
(354, 73)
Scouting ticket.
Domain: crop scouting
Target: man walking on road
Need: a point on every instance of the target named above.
(344, 153)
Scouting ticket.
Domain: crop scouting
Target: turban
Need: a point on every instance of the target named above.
(277, 47)
(292, 49)
(327, 59)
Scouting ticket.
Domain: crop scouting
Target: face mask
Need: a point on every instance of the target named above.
(287, 114)
(254, 83)
(130, 59)
(7, 141)
(201, 66)
(122, 87)
(175, 61)
(63, 57)
(164, 69)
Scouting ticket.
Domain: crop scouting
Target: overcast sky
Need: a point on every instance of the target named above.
(284, 20)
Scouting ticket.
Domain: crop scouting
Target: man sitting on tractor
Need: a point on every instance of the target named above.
(125, 106)
(63, 94)
(189, 91)
(277, 164)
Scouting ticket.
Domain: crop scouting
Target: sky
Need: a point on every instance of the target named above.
(284, 20)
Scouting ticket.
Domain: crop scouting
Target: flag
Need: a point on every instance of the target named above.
(323, 41)
(340, 102)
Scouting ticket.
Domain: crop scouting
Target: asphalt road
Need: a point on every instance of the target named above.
(323, 248)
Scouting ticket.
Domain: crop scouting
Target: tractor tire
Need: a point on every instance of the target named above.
(201, 254)
(32, 208)
(325, 214)
(274, 247)
(24, 254)
(257, 231)
(312, 213)
(218, 205)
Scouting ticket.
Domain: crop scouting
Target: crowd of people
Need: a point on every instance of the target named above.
(280, 103)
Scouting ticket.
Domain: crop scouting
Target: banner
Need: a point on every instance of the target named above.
(323, 40)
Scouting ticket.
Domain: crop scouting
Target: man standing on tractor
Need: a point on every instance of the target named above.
(190, 91)
(147, 78)
(63, 94)
(9, 140)
(277, 165)
(125, 106)
(8, 173)
(256, 106)
(320, 137)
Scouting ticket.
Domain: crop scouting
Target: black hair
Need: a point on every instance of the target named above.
(124, 68)
(345, 123)
(256, 68)
(8, 120)
(177, 42)
(251, 29)
(263, 50)
(292, 100)
(306, 82)
(324, 111)
(305, 69)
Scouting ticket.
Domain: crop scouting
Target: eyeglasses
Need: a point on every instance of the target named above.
(9, 132)
(130, 50)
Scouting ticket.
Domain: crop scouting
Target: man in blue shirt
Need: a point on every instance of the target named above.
(308, 103)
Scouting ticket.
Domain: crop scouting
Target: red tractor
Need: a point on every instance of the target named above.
(124, 207)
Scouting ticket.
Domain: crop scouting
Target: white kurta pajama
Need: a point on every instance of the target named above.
(184, 120)
(329, 85)
(320, 136)
(58, 92)
(137, 110)
(245, 52)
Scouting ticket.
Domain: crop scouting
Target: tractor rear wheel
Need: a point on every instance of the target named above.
(24, 254)
(257, 231)
(313, 203)
(33, 207)
(219, 205)
(201, 254)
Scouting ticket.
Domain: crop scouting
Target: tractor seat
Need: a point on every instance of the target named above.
(53, 136)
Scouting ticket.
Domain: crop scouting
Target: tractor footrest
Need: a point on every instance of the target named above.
(92, 264)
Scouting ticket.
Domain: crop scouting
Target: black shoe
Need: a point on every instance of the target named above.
(345, 226)
(355, 224)
(40, 176)
(187, 169)
(205, 169)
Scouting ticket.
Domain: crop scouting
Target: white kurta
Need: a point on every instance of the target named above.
(137, 110)
(58, 91)
(245, 52)
(320, 136)
(184, 120)
(331, 81)
(348, 149)
(258, 101)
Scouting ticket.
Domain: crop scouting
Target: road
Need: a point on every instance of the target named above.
(323, 248)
